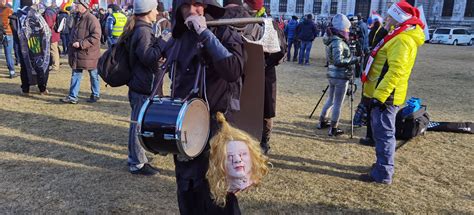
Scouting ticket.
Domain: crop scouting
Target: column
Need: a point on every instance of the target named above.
(274, 7)
(308, 7)
(291, 7)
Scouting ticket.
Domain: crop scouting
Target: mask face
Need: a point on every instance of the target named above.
(238, 166)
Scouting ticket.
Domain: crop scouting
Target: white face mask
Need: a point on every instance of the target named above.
(238, 166)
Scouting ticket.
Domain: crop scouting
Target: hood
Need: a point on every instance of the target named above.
(213, 9)
(418, 35)
(328, 40)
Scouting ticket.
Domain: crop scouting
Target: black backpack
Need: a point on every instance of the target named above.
(114, 65)
(411, 125)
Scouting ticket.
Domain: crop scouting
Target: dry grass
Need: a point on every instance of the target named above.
(57, 158)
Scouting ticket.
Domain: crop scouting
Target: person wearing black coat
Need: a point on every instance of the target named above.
(223, 55)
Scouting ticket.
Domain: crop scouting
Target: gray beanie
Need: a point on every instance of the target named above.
(340, 22)
(144, 6)
(85, 3)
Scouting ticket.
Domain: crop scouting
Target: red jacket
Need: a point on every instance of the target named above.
(50, 17)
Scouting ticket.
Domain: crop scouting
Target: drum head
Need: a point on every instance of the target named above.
(194, 127)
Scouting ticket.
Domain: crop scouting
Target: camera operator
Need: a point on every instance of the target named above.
(355, 43)
(339, 72)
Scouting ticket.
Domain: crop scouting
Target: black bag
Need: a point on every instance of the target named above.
(411, 125)
(114, 65)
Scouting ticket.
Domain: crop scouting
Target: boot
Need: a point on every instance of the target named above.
(322, 125)
(335, 132)
(265, 147)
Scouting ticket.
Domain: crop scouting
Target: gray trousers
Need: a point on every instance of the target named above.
(336, 94)
(136, 153)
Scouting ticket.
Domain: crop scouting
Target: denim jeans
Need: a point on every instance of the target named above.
(65, 41)
(383, 132)
(293, 42)
(76, 83)
(304, 51)
(8, 50)
(136, 153)
(336, 94)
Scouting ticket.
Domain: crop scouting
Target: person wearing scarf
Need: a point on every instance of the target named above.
(386, 83)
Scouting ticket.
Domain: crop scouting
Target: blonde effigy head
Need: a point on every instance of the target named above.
(236, 162)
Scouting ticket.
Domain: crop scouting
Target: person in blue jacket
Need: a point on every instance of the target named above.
(290, 33)
(306, 32)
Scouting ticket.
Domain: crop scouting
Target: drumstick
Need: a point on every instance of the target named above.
(235, 21)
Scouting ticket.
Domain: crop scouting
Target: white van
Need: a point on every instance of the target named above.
(452, 36)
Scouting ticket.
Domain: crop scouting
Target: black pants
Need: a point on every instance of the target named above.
(41, 79)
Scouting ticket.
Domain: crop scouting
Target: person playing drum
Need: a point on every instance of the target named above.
(221, 53)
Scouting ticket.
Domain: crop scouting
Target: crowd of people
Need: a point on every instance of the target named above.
(353, 49)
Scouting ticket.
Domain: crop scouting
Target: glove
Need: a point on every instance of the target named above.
(196, 23)
(355, 59)
(379, 104)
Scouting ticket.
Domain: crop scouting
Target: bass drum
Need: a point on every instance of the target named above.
(174, 126)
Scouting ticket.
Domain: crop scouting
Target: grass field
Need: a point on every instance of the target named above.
(57, 158)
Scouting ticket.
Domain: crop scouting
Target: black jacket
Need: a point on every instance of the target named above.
(145, 51)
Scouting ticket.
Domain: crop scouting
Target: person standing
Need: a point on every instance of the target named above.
(64, 14)
(386, 83)
(32, 33)
(290, 33)
(224, 59)
(306, 34)
(5, 13)
(115, 23)
(339, 72)
(50, 16)
(84, 52)
(145, 50)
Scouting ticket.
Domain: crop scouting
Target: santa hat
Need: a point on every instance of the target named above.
(403, 11)
(255, 4)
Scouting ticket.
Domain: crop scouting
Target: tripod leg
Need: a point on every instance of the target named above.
(324, 92)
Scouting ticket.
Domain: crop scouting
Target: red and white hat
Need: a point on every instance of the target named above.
(403, 11)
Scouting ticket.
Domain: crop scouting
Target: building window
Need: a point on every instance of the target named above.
(333, 7)
(266, 4)
(362, 7)
(299, 6)
(282, 6)
(448, 8)
(317, 6)
(469, 9)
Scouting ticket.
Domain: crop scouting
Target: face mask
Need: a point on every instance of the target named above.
(238, 166)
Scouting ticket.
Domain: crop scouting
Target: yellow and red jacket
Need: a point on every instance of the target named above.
(388, 77)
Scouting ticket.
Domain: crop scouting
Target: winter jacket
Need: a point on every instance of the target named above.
(290, 29)
(50, 16)
(364, 36)
(6, 12)
(306, 31)
(87, 32)
(145, 51)
(339, 57)
(391, 69)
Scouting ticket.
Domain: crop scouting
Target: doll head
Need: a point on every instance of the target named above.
(235, 163)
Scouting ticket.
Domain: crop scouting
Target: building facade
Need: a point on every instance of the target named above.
(437, 12)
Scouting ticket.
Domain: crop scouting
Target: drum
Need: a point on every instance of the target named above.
(174, 126)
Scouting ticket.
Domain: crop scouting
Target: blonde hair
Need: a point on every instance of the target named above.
(216, 174)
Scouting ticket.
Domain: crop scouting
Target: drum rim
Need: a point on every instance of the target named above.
(139, 125)
(179, 125)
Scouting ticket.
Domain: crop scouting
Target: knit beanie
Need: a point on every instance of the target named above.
(340, 22)
(255, 4)
(144, 6)
(227, 2)
(84, 3)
